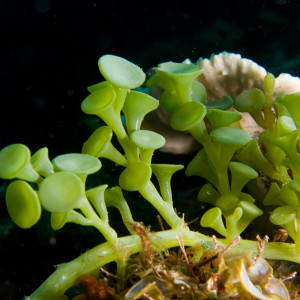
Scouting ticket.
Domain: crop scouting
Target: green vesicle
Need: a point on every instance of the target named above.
(177, 78)
(292, 103)
(223, 103)
(250, 212)
(289, 195)
(294, 185)
(41, 163)
(221, 118)
(102, 103)
(169, 102)
(23, 204)
(77, 163)
(240, 175)
(273, 196)
(201, 166)
(179, 71)
(283, 215)
(288, 144)
(208, 194)
(213, 219)
(285, 122)
(58, 220)
(198, 92)
(15, 163)
(96, 197)
(251, 154)
(164, 173)
(61, 192)
(227, 203)
(99, 145)
(136, 106)
(135, 176)
(147, 139)
(121, 72)
(187, 116)
(227, 140)
(98, 100)
(98, 86)
(230, 136)
(249, 100)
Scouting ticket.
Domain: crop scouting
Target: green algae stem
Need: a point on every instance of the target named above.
(92, 260)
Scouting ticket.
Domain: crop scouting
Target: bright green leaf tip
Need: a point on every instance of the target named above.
(243, 170)
(283, 215)
(12, 159)
(23, 204)
(61, 192)
(213, 219)
(77, 163)
(147, 139)
(172, 70)
(230, 136)
(121, 72)
(97, 141)
(223, 103)
(15, 163)
(135, 176)
(98, 100)
(249, 100)
(220, 118)
(187, 116)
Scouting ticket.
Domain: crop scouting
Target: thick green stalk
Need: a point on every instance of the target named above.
(109, 233)
(92, 260)
(165, 209)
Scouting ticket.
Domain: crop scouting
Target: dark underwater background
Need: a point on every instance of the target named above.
(49, 53)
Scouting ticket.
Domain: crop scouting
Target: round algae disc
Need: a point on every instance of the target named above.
(121, 72)
(61, 192)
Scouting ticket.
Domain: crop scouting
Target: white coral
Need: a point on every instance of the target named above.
(229, 74)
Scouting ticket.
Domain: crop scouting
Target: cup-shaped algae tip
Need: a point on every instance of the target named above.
(223, 103)
(99, 145)
(41, 163)
(187, 116)
(213, 219)
(58, 220)
(249, 100)
(136, 106)
(221, 118)
(121, 72)
(23, 204)
(147, 141)
(164, 173)
(101, 103)
(250, 212)
(179, 71)
(230, 136)
(135, 176)
(240, 175)
(77, 163)
(98, 100)
(61, 192)
(292, 103)
(283, 215)
(181, 77)
(230, 139)
(15, 163)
